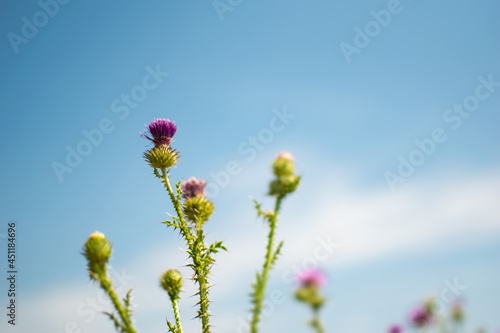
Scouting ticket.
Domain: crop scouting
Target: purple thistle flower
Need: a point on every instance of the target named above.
(396, 329)
(193, 188)
(162, 131)
(311, 277)
(420, 317)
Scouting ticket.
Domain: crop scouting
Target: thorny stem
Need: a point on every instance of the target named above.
(200, 275)
(108, 287)
(260, 288)
(316, 322)
(175, 305)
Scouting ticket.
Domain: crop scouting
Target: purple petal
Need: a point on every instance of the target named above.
(161, 131)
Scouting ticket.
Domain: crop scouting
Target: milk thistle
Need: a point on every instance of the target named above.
(309, 292)
(192, 212)
(285, 182)
(98, 251)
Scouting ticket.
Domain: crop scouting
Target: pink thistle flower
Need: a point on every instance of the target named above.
(311, 277)
(193, 188)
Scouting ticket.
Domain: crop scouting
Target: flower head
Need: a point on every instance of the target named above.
(396, 329)
(161, 131)
(198, 209)
(98, 251)
(193, 188)
(171, 281)
(310, 282)
(311, 277)
(162, 157)
(284, 164)
(420, 316)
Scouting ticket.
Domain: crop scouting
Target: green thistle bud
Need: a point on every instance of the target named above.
(284, 185)
(162, 157)
(97, 250)
(310, 294)
(284, 165)
(171, 281)
(198, 209)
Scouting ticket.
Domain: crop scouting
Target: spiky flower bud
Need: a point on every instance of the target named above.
(97, 250)
(286, 181)
(171, 281)
(284, 164)
(199, 209)
(284, 185)
(193, 188)
(161, 131)
(310, 283)
(162, 157)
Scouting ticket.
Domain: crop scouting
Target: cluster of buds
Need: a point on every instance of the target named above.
(197, 207)
(171, 281)
(310, 283)
(161, 156)
(286, 180)
(98, 251)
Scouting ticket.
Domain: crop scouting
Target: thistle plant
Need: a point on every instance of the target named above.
(285, 182)
(192, 208)
(98, 251)
(309, 292)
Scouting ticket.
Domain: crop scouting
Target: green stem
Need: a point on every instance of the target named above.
(200, 275)
(108, 287)
(203, 289)
(316, 322)
(175, 305)
(260, 289)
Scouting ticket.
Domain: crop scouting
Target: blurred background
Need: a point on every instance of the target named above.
(390, 108)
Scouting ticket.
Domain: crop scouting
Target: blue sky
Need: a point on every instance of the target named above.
(268, 77)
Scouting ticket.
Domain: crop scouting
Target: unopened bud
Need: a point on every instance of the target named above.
(162, 157)
(171, 281)
(198, 209)
(98, 251)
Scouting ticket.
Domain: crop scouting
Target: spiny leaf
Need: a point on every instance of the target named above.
(119, 326)
(277, 253)
(171, 328)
